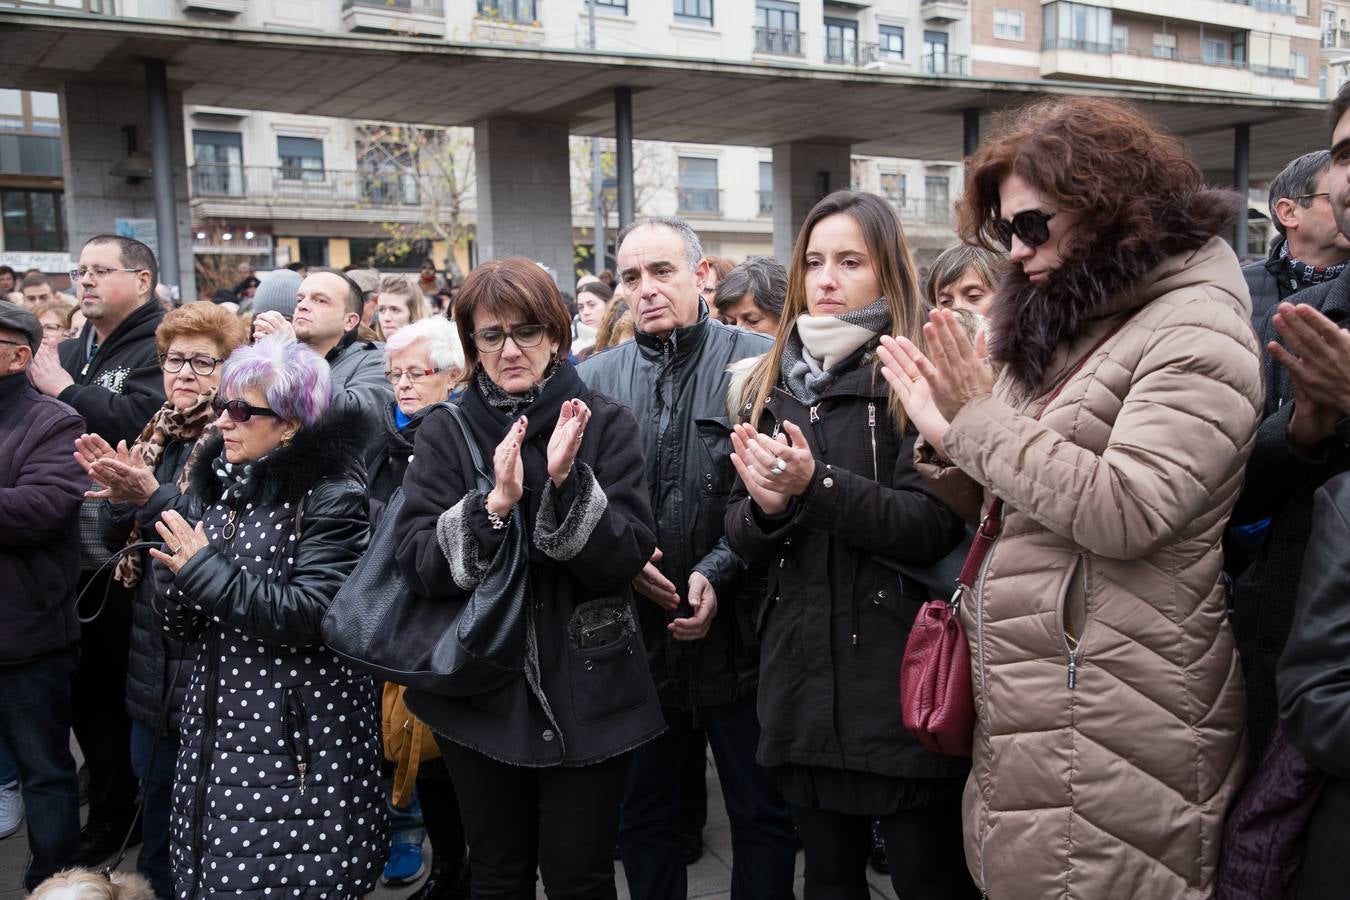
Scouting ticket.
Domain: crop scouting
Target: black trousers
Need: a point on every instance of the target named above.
(101, 723)
(923, 847)
(562, 822)
(440, 810)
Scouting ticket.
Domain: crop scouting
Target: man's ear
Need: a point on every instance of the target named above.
(1284, 212)
(351, 323)
(701, 273)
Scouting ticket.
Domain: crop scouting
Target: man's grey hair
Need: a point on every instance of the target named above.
(693, 247)
(1298, 179)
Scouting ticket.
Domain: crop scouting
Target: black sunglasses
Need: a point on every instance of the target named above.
(239, 410)
(1031, 226)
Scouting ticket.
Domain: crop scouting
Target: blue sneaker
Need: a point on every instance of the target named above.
(404, 866)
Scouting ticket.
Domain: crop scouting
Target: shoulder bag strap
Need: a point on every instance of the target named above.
(486, 479)
(992, 524)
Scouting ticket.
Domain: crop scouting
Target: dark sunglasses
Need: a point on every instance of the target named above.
(239, 410)
(1031, 226)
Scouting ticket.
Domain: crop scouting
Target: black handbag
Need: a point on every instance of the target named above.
(379, 625)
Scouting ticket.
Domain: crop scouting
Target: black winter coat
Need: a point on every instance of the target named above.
(676, 389)
(121, 387)
(278, 786)
(588, 541)
(838, 612)
(154, 657)
(1269, 284)
(388, 458)
(1314, 681)
(41, 487)
(1280, 484)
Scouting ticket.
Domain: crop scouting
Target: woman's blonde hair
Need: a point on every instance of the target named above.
(407, 287)
(894, 267)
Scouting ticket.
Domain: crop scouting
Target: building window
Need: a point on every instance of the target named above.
(301, 158)
(1164, 46)
(619, 6)
(1074, 26)
(522, 12)
(1009, 24)
(1328, 26)
(891, 42)
(698, 191)
(32, 221)
(700, 11)
(841, 41)
(894, 187)
(1120, 39)
(935, 52)
(765, 188)
(937, 198)
(29, 112)
(778, 27)
(218, 162)
(1300, 64)
(1214, 50)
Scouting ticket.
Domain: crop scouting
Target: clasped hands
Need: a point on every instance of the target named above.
(933, 388)
(563, 445)
(1317, 358)
(118, 475)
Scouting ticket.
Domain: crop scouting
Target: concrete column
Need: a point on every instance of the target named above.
(161, 163)
(524, 193)
(623, 155)
(803, 172)
(94, 139)
(1242, 135)
(970, 131)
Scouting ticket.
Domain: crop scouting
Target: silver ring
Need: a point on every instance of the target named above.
(779, 466)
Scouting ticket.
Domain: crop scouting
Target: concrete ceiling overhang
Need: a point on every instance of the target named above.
(680, 99)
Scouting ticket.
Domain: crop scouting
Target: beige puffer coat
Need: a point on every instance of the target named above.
(1109, 739)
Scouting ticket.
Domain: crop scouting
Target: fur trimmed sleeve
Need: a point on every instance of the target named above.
(459, 543)
(562, 541)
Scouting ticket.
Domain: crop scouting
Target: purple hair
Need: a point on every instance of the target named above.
(293, 378)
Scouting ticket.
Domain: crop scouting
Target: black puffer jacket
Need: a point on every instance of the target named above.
(277, 789)
(154, 657)
(121, 387)
(677, 389)
(588, 540)
(838, 612)
(1269, 283)
(1314, 680)
(388, 458)
(1279, 486)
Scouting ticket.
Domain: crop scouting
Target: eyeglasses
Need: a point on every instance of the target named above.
(1031, 226)
(414, 375)
(492, 340)
(202, 365)
(53, 328)
(99, 272)
(239, 410)
(1326, 194)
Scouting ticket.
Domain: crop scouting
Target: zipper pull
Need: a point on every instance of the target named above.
(1073, 673)
(301, 768)
(815, 416)
(872, 415)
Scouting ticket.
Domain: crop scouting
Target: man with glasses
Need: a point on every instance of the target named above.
(40, 490)
(111, 376)
(1310, 248)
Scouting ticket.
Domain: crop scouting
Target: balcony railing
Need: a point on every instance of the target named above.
(1272, 6)
(841, 51)
(1075, 44)
(778, 40)
(97, 7)
(1168, 53)
(699, 201)
(302, 186)
(915, 211)
(942, 64)
(766, 203)
(426, 7)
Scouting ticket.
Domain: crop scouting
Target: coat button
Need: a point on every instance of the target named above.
(548, 734)
(588, 665)
(827, 481)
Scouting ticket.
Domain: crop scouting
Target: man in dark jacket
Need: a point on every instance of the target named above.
(698, 623)
(1299, 446)
(110, 374)
(40, 490)
(1310, 249)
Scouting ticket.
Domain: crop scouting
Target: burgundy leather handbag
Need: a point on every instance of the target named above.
(937, 703)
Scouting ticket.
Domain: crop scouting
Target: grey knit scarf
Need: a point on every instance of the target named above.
(805, 356)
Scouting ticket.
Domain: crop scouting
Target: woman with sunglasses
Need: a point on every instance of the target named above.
(538, 764)
(138, 484)
(278, 782)
(829, 505)
(1109, 699)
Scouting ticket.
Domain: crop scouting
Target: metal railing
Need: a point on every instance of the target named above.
(1273, 6)
(841, 51)
(97, 7)
(1075, 44)
(942, 64)
(428, 7)
(707, 201)
(1168, 53)
(915, 211)
(778, 40)
(301, 186)
(949, 2)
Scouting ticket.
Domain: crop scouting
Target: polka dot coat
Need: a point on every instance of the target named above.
(277, 791)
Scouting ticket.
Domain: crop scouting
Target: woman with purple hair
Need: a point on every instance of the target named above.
(277, 790)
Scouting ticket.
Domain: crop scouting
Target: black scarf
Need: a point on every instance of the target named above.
(1301, 275)
(490, 422)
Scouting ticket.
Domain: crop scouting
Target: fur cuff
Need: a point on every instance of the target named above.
(459, 544)
(562, 542)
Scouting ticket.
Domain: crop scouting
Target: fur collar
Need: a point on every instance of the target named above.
(1097, 278)
(332, 447)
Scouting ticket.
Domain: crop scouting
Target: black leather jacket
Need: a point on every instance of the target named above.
(676, 388)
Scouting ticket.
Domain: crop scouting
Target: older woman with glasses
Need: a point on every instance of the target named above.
(278, 788)
(538, 764)
(138, 484)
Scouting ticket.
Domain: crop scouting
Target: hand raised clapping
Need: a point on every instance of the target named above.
(124, 478)
(566, 440)
(773, 470)
(508, 470)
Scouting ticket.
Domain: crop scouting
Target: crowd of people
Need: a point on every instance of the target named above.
(730, 489)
